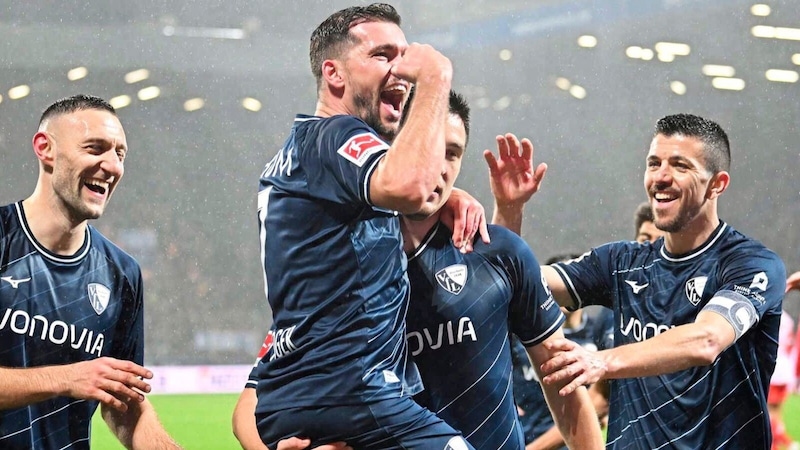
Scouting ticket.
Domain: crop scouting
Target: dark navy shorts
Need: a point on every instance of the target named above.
(387, 424)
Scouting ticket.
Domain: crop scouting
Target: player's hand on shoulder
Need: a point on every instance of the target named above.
(466, 217)
(422, 63)
(571, 366)
(111, 381)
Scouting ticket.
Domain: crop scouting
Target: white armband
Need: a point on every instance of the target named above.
(736, 309)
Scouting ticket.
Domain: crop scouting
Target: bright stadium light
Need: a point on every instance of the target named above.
(193, 104)
(763, 31)
(18, 92)
(760, 10)
(502, 103)
(674, 48)
(728, 84)
(677, 87)
(782, 76)
(137, 76)
(577, 91)
(717, 70)
(506, 54)
(149, 93)
(647, 54)
(120, 101)
(634, 52)
(563, 83)
(251, 104)
(666, 57)
(587, 41)
(77, 73)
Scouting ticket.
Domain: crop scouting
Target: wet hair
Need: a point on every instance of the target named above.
(332, 37)
(716, 148)
(644, 213)
(78, 102)
(457, 106)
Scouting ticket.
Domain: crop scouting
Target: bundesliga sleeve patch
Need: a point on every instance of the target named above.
(360, 147)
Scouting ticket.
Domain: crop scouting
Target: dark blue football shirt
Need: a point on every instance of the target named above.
(650, 290)
(462, 309)
(334, 272)
(59, 310)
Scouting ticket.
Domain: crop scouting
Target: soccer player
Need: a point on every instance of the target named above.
(71, 301)
(697, 312)
(461, 311)
(331, 246)
(646, 230)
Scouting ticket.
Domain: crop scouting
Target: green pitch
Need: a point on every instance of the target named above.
(197, 422)
(201, 422)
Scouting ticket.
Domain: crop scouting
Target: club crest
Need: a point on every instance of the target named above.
(98, 297)
(695, 288)
(452, 278)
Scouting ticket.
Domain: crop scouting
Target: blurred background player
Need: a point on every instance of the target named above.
(646, 230)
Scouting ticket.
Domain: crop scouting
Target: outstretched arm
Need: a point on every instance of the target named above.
(513, 179)
(694, 344)
(113, 382)
(138, 427)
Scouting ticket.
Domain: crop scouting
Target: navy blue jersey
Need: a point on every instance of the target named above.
(462, 308)
(334, 272)
(58, 310)
(650, 290)
(595, 332)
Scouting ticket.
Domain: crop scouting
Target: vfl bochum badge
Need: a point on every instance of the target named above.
(452, 278)
(98, 297)
(695, 288)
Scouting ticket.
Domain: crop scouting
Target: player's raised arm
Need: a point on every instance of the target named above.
(410, 171)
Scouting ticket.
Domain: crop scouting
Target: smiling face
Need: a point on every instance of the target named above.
(371, 92)
(82, 154)
(677, 182)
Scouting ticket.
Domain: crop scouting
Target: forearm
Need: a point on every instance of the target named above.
(138, 427)
(576, 418)
(408, 173)
(549, 440)
(676, 349)
(508, 216)
(21, 387)
(244, 423)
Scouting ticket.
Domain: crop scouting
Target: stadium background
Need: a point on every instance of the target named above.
(186, 208)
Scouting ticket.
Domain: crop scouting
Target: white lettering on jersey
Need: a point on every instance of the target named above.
(359, 148)
(57, 332)
(281, 163)
(445, 334)
(641, 331)
(283, 344)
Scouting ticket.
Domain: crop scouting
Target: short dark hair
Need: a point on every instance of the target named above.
(459, 107)
(716, 148)
(332, 37)
(644, 213)
(78, 102)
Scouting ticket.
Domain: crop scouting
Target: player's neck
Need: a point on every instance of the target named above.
(51, 227)
(414, 231)
(693, 235)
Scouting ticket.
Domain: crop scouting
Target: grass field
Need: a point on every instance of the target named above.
(203, 422)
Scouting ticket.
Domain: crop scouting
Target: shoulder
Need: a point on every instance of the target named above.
(740, 249)
(114, 254)
(7, 214)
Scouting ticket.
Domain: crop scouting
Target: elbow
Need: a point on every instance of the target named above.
(709, 350)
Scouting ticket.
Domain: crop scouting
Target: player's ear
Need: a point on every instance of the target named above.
(332, 73)
(719, 182)
(44, 147)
